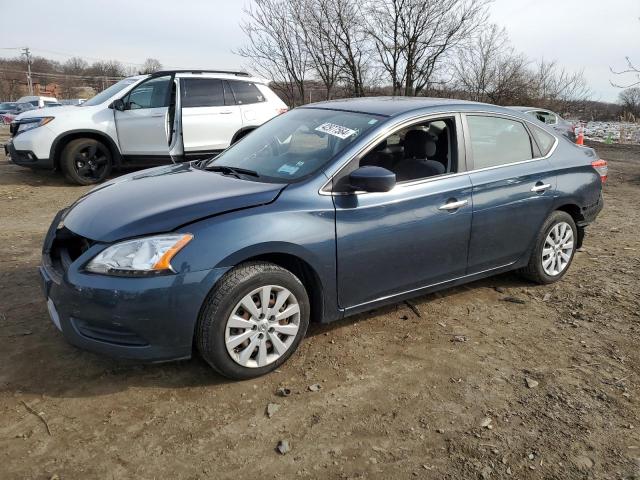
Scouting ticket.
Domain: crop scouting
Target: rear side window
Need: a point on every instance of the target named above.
(498, 141)
(246, 92)
(544, 140)
(202, 92)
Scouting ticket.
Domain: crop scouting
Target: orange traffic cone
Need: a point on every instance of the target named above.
(580, 139)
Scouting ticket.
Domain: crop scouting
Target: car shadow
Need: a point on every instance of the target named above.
(37, 360)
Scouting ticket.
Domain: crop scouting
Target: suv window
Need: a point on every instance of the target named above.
(246, 92)
(203, 92)
(151, 94)
(498, 141)
(544, 140)
(545, 117)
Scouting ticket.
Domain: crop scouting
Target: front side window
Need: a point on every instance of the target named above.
(498, 141)
(246, 92)
(296, 144)
(422, 150)
(151, 94)
(202, 92)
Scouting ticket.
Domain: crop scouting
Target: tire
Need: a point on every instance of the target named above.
(215, 338)
(535, 270)
(85, 161)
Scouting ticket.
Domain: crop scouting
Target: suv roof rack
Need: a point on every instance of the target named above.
(227, 72)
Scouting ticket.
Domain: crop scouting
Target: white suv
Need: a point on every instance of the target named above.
(132, 123)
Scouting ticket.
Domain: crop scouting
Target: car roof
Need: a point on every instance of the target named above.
(528, 109)
(391, 106)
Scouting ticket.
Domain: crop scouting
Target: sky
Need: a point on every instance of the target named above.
(589, 35)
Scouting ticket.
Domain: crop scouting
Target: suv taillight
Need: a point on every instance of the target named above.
(602, 167)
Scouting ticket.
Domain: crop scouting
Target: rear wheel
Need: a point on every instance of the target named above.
(253, 320)
(86, 161)
(554, 249)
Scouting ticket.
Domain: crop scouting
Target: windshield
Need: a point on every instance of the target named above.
(295, 144)
(106, 94)
(23, 107)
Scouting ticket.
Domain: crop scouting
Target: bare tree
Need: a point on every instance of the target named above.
(630, 100)
(324, 59)
(630, 69)
(276, 45)
(150, 65)
(412, 37)
(343, 30)
(555, 87)
(489, 70)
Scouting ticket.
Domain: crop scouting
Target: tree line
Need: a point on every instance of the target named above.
(324, 49)
(76, 77)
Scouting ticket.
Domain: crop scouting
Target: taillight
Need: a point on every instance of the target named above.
(602, 167)
(280, 111)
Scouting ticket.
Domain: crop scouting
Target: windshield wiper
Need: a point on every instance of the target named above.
(232, 170)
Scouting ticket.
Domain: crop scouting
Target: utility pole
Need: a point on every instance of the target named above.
(27, 53)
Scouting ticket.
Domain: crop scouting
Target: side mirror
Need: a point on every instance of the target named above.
(372, 179)
(119, 105)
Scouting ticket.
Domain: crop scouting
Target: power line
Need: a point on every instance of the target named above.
(70, 55)
(64, 75)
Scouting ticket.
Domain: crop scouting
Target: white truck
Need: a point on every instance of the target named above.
(132, 123)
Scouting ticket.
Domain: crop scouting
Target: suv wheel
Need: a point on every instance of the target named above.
(253, 320)
(554, 249)
(86, 161)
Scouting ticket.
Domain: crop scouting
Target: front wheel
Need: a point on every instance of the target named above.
(253, 320)
(554, 249)
(86, 161)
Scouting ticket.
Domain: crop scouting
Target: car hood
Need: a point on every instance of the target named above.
(45, 112)
(161, 199)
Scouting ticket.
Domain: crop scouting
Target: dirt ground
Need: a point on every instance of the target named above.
(476, 386)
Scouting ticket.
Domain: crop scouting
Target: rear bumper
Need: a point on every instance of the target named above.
(590, 212)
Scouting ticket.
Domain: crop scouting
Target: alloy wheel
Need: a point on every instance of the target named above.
(262, 326)
(558, 249)
(91, 162)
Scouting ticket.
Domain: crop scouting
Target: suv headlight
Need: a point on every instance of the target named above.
(141, 256)
(31, 123)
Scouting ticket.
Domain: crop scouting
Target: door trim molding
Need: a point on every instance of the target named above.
(424, 287)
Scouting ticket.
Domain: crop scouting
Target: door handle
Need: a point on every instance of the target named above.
(226, 112)
(158, 115)
(453, 205)
(540, 187)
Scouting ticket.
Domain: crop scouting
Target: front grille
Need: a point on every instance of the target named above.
(13, 128)
(66, 248)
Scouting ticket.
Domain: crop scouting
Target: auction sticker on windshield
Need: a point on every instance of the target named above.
(335, 130)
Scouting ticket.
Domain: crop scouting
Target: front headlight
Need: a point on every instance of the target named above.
(31, 123)
(139, 256)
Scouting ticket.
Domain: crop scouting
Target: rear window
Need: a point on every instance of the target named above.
(498, 141)
(203, 92)
(246, 92)
(544, 140)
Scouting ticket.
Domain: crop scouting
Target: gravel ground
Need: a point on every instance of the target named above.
(476, 386)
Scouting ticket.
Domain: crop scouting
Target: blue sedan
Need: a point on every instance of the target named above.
(329, 210)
